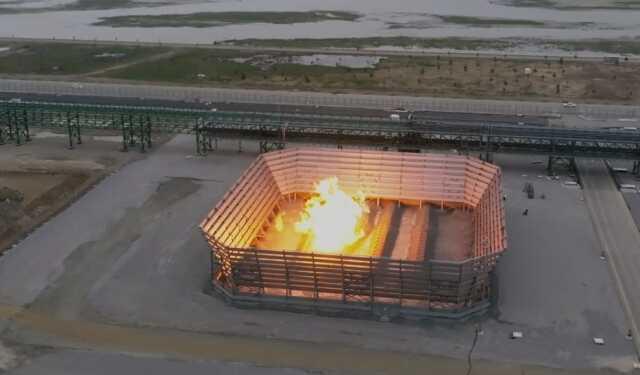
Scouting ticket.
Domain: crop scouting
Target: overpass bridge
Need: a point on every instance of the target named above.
(275, 130)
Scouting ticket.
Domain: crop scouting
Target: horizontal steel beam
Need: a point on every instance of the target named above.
(608, 143)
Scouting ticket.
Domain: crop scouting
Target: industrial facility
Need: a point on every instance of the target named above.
(357, 231)
(477, 235)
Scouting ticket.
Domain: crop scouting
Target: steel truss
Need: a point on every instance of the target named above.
(275, 130)
(14, 127)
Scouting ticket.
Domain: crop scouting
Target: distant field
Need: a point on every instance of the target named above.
(443, 75)
(432, 76)
(461, 44)
(60, 59)
(210, 19)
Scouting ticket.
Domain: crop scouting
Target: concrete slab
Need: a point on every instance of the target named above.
(552, 284)
(617, 234)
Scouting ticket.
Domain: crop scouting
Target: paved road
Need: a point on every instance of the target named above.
(618, 236)
(445, 117)
(191, 94)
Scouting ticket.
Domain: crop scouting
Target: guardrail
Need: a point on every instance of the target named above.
(200, 94)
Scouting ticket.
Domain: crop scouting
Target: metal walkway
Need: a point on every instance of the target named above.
(136, 124)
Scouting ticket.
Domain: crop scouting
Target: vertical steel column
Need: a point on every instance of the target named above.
(142, 134)
(371, 284)
(73, 129)
(255, 253)
(401, 284)
(78, 136)
(125, 135)
(25, 126)
(286, 274)
(16, 129)
(69, 131)
(148, 131)
(344, 292)
(316, 294)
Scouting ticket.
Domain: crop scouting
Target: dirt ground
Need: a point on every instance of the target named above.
(42, 177)
(450, 234)
(539, 80)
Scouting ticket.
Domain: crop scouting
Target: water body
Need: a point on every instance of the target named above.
(348, 61)
(415, 18)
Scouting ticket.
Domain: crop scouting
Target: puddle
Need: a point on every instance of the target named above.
(349, 61)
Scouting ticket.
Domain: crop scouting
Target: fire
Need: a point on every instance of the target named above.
(279, 222)
(332, 218)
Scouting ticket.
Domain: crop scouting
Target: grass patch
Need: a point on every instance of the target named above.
(489, 22)
(68, 58)
(204, 66)
(186, 67)
(211, 19)
(622, 47)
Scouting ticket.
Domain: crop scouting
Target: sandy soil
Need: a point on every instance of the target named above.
(450, 234)
(44, 194)
(49, 177)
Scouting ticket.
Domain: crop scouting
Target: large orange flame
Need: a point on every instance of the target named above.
(332, 218)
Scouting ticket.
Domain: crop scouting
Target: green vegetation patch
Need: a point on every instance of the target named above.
(489, 22)
(58, 58)
(200, 66)
(212, 19)
(622, 47)
(188, 67)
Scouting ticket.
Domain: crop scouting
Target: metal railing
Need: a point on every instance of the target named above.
(185, 93)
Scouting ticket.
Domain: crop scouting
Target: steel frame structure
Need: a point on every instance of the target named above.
(428, 135)
(243, 272)
(14, 127)
(275, 130)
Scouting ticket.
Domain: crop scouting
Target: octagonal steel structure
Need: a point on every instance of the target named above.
(245, 274)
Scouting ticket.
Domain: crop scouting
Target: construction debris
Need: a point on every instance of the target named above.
(528, 189)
